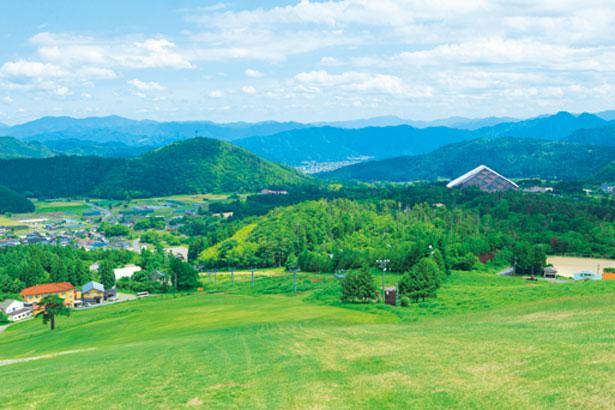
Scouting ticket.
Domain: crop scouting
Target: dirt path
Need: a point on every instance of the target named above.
(3, 328)
(46, 356)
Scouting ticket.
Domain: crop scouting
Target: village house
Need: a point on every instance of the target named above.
(64, 290)
(93, 292)
(15, 310)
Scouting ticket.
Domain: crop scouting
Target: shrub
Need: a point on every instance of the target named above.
(3, 319)
(404, 301)
(358, 287)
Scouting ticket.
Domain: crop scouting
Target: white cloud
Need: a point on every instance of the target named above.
(7, 100)
(248, 89)
(215, 94)
(71, 50)
(146, 85)
(253, 73)
(23, 68)
(355, 81)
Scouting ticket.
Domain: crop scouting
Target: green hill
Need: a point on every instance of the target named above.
(14, 148)
(198, 165)
(11, 201)
(512, 157)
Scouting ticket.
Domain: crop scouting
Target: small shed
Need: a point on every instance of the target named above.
(390, 296)
(550, 272)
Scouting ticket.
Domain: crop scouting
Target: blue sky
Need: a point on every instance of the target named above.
(305, 60)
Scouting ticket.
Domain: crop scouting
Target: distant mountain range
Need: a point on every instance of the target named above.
(594, 136)
(328, 144)
(391, 121)
(14, 148)
(512, 157)
(198, 165)
(133, 132)
(293, 143)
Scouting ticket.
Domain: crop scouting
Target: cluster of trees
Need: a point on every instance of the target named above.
(329, 235)
(161, 273)
(25, 266)
(420, 282)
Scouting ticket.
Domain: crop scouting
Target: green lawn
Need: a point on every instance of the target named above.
(485, 342)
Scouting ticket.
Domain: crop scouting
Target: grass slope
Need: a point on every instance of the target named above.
(239, 351)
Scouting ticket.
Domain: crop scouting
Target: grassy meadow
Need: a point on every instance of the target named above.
(484, 342)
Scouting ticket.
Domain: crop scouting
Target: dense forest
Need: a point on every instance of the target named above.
(326, 235)
(512, 157)
(11, 201)
(193, 166)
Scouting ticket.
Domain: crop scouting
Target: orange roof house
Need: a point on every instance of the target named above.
(64, 290)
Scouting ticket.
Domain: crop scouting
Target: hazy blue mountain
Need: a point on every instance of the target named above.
(134, 132)
(552, 127)
(594, 136)
(13, 148)
(111, 149)
(390, 121)
(329, 144)
(607, 115)
(2, 125)
(512, 157)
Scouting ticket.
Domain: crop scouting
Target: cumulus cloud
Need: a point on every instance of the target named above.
(7, 100)
(253, 73)
(215, 94)
(146, 85)
(248, 89)
(357, 81)
(23, 68)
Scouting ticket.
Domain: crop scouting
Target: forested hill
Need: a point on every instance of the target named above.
(513, 157)
(11, 201)
(551, 127)
(594, 136)
(14, 148)
(198, 165)
(325, 144)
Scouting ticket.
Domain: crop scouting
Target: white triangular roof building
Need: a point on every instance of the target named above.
(484, 178)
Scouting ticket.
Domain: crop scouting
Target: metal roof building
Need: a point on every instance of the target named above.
(485, 179)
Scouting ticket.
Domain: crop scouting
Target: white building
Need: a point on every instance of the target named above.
(126, 271)
(15, 310)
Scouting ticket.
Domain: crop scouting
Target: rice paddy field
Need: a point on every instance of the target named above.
(485, 342)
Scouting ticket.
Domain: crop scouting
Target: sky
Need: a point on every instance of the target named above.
(305, 60)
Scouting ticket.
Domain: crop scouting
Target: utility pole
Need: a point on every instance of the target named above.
(382, 263)
(252, 278)
(232, 277)
(215, 276)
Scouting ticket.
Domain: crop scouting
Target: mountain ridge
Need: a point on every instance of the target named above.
(512, 157)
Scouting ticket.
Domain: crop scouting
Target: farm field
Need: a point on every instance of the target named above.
(485, 342)
(567, 266)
